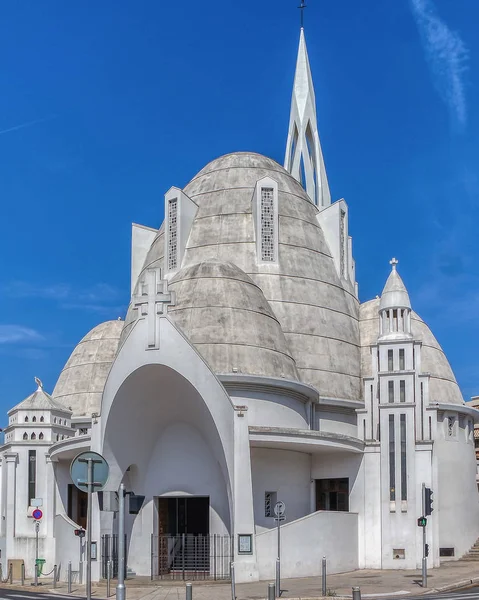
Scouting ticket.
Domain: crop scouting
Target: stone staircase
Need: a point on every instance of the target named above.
(473, 553)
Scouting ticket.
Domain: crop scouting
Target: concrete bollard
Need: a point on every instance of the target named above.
(69, 577)
(22, 573)
(189, 591)
(233, 582)
(10, 574)
(271, 591)
(54, 576)
(356, 593)
(324, 589)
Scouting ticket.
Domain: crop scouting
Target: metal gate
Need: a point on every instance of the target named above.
(191, 557)
(109, 552)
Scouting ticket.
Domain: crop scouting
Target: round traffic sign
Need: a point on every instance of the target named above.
(37, 514)
(79, 471)
(279, 508)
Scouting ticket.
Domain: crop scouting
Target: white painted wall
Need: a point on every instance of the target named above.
(285, 472)
(304, 543)
(272, 410)
(456, 494)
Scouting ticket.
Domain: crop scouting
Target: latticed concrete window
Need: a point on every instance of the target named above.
(267, 225)
(172, 234)
(269, 503)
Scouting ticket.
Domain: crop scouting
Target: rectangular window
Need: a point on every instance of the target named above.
(270, 499)
(401, 360)
(402, 425)
(332, 494)
(392, 460)
(173, 233)
(267, 225)
(32, 475)
(390, 360)
(343, 244)
(391, 391)
(402, 391)
(450, 426)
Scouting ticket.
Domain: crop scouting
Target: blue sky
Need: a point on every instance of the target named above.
(105, 105)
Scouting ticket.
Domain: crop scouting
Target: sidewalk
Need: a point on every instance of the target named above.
(372, 582)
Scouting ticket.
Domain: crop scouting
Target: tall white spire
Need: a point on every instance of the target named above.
(304, 158)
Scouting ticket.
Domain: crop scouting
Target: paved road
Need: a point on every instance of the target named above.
(468, 594)
(6, 594)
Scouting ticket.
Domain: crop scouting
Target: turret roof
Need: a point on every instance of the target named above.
(39, 400)
(394, 294)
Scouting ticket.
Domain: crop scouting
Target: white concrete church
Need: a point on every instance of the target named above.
(246, 372)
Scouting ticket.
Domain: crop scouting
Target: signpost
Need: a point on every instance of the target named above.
(279, 510)
(89, 470)
(37, 514)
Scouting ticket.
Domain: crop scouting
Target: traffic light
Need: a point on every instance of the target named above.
(80, 532)
(422, 522)
(428, 501)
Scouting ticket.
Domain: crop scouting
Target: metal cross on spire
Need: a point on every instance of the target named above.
(301, 7)
(393, 262)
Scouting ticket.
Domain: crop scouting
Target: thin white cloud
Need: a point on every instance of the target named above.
(10, 334)
(100, 294)
(447, 56)
(26, 124)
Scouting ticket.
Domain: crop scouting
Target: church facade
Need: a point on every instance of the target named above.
(247, 372)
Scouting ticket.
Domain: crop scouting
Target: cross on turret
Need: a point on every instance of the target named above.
(393, 262)
(151, 301)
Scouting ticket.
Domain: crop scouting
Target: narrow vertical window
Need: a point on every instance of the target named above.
(390, 360)
(267, 225)
(343, 244)
(173, 233)
(395, 319)
(392, 460)
(391, 391)
(450, 426)
(422, 410)
(402, 424)
(402, 391)
(401, 359)
(32, 475)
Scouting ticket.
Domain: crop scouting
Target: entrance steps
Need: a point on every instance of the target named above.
(473, 554)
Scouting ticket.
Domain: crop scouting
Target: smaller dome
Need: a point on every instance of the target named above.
(228, 319)
(81, 382)
(394, 293)
(443, 387)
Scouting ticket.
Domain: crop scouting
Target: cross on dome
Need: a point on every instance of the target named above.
(39, 383)
(393, 262)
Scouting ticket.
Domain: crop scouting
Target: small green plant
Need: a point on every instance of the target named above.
(331, 593)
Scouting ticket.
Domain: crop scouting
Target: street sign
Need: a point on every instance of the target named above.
(37, 514)
(79, 471)
(279, 509)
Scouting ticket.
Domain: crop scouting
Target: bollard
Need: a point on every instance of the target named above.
(10, 574)
(324, 590)
(278, 578)
(108, 578)
(356, 593)
(54, 576)
(233, 582)
(69, 576)
(189, 591)
(271, 594)
(22, 573)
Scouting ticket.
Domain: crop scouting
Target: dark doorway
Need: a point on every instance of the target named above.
(332, 494)
(184, 515)
(77, 505)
